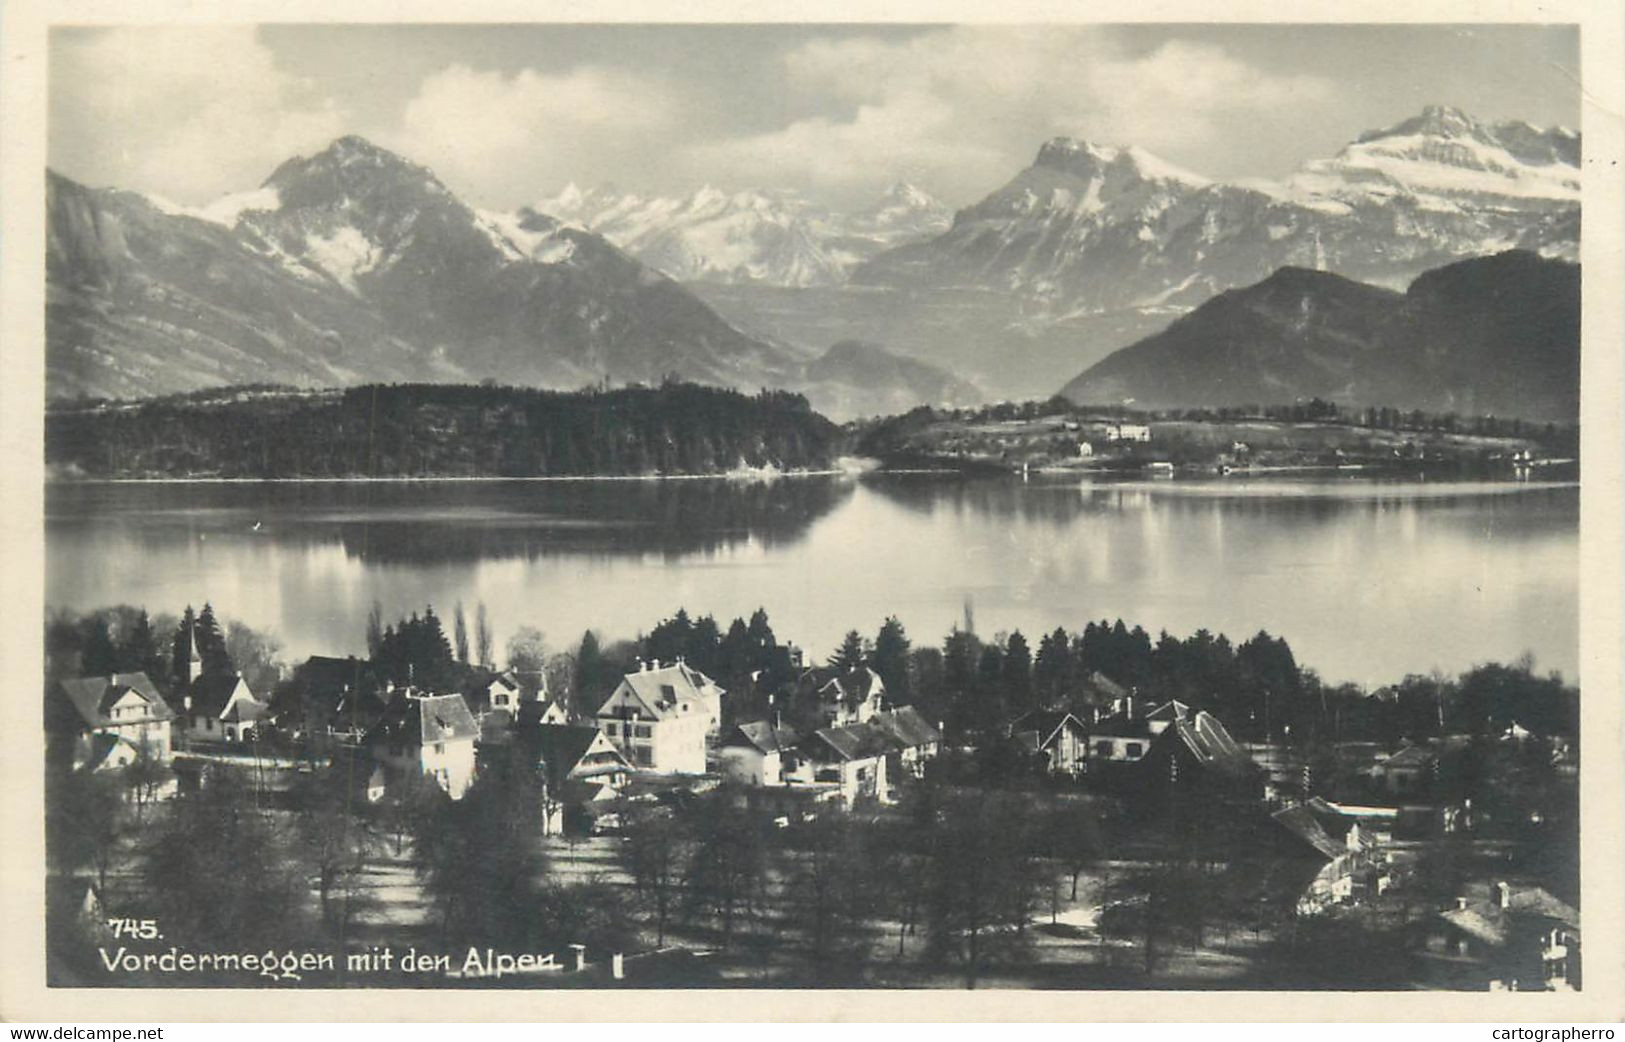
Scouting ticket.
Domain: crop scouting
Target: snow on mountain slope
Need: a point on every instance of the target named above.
(774, 238)
(1092, 229)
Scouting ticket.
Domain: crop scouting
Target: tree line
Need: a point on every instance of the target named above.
(423, 430)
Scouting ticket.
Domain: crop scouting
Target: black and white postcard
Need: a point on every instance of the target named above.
(508, 508)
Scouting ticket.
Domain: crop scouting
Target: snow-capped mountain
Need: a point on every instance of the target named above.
(774, 238)
(356, 264)
(1090, 229)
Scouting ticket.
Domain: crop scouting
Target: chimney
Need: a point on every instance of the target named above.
(617, 966)
(1461, 904)
(581, 956)
(1503, 895)
(1129, 704)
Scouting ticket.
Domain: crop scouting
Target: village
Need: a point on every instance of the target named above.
(811, 823)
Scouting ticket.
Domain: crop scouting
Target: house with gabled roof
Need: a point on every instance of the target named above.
(1311, 845)
(578, 766)
(853, 757)
(1505, 937)
(429, 735)
(1059, 736)
(104, 723)
(220, 707)
(1408, 771)
(756, 753)
(659, 716)
(914, 739)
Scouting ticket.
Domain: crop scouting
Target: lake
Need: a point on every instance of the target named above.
(1367, 579)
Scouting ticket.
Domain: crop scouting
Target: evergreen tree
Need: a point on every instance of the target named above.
(211, 643)
(99, 657)
(850, 655)
(891, 659)
(1018, 669)
(184, 645)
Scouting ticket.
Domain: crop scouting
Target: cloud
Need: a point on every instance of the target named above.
(188, 113)
(509, 138)
(963, 108)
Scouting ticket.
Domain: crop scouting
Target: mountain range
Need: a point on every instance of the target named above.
(356, 265)
(774, 237)
(1493, 335)
(1090, 228)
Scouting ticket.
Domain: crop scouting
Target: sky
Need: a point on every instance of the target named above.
(507, 115)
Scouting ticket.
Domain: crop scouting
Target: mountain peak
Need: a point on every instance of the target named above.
(1433, 121)
(1088, 159)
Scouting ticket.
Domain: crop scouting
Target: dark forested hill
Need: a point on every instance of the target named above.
(421, 430)
(1493, 335)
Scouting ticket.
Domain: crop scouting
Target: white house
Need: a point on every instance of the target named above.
(853, 757)
(659, 716)
(221, 706)
(111, 719)
(756, 754)
(427, 734)
(1128, 432)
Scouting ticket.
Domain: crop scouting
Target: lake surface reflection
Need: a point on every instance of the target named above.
(1367, 579)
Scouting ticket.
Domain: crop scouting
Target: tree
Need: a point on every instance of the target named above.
(144, 778)
(832, 894)
(211, 644)
(185, 644)
(1017, 671)
(850, 655)
(526, 652)
(724, 874)
(655, 853)
(481, 861)
(333, 842)
(82, 822)
(891, 659)
(255, 655)
(482, 635)
(459, 628)
(99, 657)
(220, 872)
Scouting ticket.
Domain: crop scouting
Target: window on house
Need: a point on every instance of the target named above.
(1133, 750)
(440, 747)
(1103, 748)
(641, 731)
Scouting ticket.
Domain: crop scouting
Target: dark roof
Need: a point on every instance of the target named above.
(94, 697)
(559, 750)
(211, 691)
(906, 727)
(854, 686)
(855, 742)
(530, 713)
(762, 736)
(1047, 724)
(1334, 821)
(424, 720)
(1300, 822)
(1211, 744)
(325, 671)
(1486, 920)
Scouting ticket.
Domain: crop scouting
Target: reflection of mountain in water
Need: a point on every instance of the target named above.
(444, 522)
(1287, 501)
